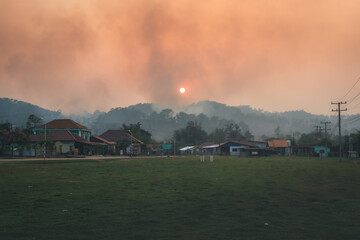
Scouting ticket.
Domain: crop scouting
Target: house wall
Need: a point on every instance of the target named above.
(136, 150)
(84, 133)
(238, 151)
(64, 147)
(235, 151)
(288, 151)
(209, 151)
(321, 150)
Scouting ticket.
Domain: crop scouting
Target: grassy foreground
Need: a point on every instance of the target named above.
(181, 198)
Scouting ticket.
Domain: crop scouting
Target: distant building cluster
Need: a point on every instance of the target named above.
(65, 137)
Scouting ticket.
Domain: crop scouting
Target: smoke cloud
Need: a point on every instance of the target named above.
(87, 55)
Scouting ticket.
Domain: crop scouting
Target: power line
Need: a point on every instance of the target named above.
(354, 107)
(326, 129)
(352, 99)
(328, 111)
(355, 100)
(358, 79)
(318, 129)
(335, 128)
(355, 119)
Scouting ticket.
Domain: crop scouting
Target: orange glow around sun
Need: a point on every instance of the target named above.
(182, 90)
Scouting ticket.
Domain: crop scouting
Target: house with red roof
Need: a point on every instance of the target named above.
(64, 142)
(65, 136)
(109, 147)
(64, 124)
(282, 147)
(125, 143)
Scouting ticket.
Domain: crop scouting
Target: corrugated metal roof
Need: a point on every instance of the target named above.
(205, 144)
(212, 146)
(186, 148)
(278, 143)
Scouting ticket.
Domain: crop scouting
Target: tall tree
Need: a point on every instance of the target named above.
(233, 130)
(5, 136)
(6, 126)
(277, 132)
(307, 138)
(192, 134)
(218, 135)
(248, 135)
(33, 121)
(136, 131)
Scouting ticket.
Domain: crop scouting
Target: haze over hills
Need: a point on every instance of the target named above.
(17, 112)
(162, 122)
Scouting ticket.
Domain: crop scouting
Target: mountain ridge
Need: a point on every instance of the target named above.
(162, 121)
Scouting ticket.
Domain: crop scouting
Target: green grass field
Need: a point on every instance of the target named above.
(181, 198)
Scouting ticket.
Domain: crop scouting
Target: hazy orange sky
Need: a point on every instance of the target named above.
(77, 55)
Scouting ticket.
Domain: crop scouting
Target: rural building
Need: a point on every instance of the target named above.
(237, 148)
(108, 148)
(352, 154)
(64, 124)
(259, 144)
(281, 147)
(203, 148)
(64, 136)
(153, 149)
(232, 148)
(4, 141)
(188, 150)
(213, 149)
(124, 142)
(321, 151)
(62, 142)
(311, 150)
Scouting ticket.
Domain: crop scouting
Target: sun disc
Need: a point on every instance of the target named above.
(182, 90)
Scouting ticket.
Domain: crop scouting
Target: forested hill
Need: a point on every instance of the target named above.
(162, 122)
(17, 112)
(259, 121)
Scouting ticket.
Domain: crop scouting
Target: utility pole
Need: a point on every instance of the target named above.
(174, 147)
(318, 130)
(326, 129)
(339, 110)
(131, 146)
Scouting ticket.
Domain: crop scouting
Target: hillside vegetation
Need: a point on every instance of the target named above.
(162, 122)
